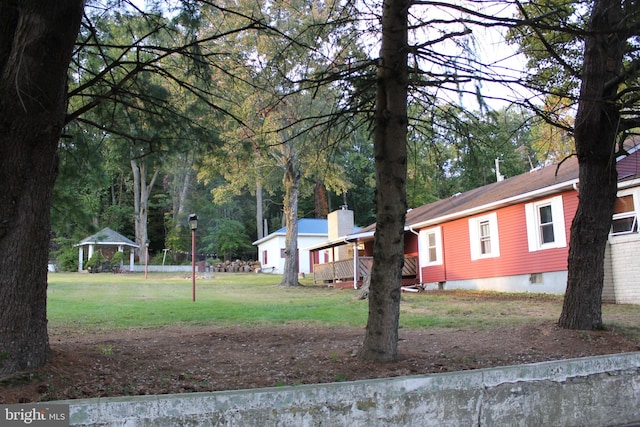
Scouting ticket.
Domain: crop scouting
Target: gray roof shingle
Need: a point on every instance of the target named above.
(107, 236)
(512, 190)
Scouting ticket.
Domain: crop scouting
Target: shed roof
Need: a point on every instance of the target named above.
(509, 191)
(537, 183)
(108, 237)
(306, 226)
(309, 226)
(629, 167)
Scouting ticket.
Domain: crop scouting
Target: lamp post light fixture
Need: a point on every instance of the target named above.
(146, 259)
(193, 223)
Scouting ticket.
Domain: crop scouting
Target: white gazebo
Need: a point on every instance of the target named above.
(105, 238)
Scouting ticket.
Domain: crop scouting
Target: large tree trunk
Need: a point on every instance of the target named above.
(390, 150)
(596, 127)
(36, 41)
(291, 181)
(141, 194)
(321, 204)
(259, 210)
(184, 190)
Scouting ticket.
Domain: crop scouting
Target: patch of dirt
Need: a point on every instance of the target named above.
(193, 359)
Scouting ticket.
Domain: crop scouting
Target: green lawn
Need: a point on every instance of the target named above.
(113, 301)
(109, 301)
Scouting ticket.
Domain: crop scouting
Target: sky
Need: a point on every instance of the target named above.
(488, 44)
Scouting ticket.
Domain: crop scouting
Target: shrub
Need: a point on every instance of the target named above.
(117, 259)
(66, 255)
(95, 262)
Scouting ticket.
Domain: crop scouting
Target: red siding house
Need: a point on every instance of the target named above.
(513, 235)
(510, 235)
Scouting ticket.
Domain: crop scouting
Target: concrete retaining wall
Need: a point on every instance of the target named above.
(594, 391)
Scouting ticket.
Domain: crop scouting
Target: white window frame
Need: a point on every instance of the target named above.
(474, 236)
(624, 215)
(423, 246)
(534, 237)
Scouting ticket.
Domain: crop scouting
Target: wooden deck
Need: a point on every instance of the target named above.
(341, 273)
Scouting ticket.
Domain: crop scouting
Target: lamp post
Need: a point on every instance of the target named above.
(193, 223)
(146, 259)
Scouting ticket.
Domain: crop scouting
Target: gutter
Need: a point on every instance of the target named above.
(630, 183)
(503, 202)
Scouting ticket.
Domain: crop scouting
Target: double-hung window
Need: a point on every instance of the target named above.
(625, 217)
(545, 215)
(545, 224)
(483, 236)
(430, 246)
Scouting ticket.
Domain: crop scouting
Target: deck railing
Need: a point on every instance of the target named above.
(331, 272)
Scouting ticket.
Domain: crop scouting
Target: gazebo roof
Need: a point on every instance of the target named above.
(108, 237)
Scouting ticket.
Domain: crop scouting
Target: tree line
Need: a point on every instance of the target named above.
(123, 160)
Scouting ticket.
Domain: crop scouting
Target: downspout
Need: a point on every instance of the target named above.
(333, 265)
(419, 267)
(355, 264)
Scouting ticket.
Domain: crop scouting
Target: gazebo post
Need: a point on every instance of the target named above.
(80, 258)
(120, 249)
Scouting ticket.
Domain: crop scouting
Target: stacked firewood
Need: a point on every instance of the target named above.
(237, 266)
